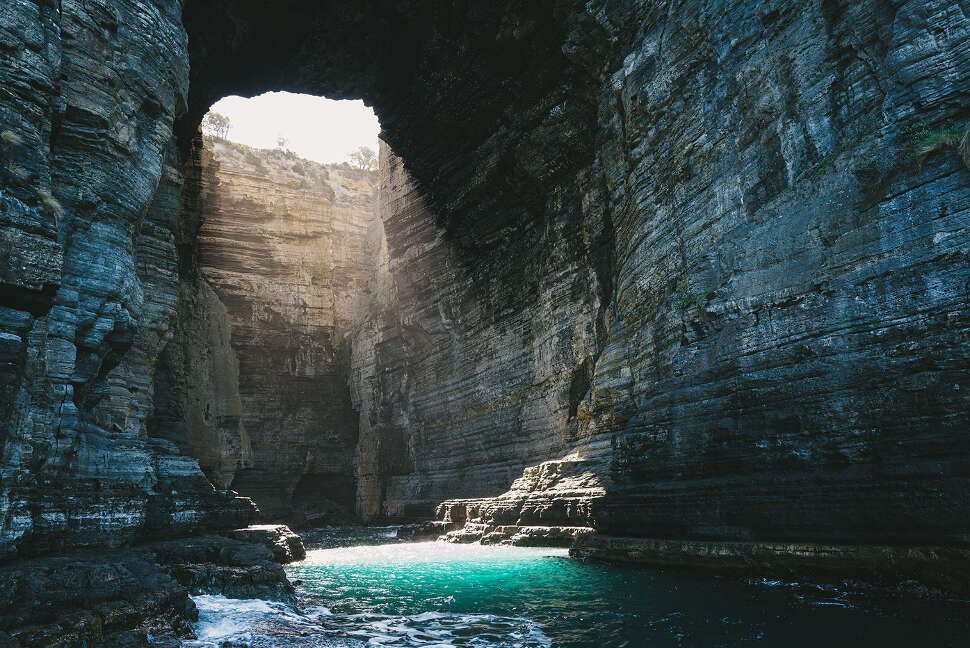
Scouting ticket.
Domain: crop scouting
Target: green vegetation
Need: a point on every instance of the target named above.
(364, 159)
(216, 124)
(10, 138)
(925, 142)
(51, 205)
(692, 299)
(17, 171)
(826, 162)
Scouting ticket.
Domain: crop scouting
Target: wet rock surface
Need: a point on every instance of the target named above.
(137, 596)
(550, 505)
(285, 545)
(943, 568)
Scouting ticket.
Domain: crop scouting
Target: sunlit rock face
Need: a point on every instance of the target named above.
(464, 379)
(283, 244)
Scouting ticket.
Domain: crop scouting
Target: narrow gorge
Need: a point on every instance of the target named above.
(671, 284)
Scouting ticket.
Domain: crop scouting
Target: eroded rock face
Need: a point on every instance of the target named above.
(787, 352)
(283, 244)
(783, 352)
(458, 391)
(138, 596)
(89, 204)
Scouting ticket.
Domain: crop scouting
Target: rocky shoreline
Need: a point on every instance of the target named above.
(932, 571)
(140, 596)
(943, 569)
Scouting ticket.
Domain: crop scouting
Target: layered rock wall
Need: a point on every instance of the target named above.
(465, 376)
(283, 245)
(787, 339)
(88, 204)
(783, 353)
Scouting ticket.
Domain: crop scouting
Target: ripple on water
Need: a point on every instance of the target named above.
(261, 624)
(422, 553)
(422, 595)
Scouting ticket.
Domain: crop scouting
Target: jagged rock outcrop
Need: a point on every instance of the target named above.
(551, 504)
(139, 596)
(285, 545)
(89, 204)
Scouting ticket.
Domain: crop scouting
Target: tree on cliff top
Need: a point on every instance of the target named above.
(216, 124)
(364, 158)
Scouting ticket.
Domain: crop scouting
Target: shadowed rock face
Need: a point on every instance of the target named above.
(780, 353)
(685, 246)
(90, 278)
(787, 352)
(463, 377)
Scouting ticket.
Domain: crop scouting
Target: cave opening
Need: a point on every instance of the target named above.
(282, 198)
(488, 124)
(679, 288)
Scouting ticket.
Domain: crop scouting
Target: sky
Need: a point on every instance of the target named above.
(318, 129)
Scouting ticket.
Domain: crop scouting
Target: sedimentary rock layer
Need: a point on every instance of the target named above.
(90, 203)
(283, 245)
(457, 391)
(943, 567)
(787, 344)
(783, 350)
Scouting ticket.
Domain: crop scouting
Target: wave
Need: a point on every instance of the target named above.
(261, 624)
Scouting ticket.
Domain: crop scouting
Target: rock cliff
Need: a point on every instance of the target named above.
(711, 255)
(90, 203)
(466, 375)
(779, 346)
(283, 245)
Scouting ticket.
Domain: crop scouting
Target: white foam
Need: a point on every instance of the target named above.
(424, 552)
(224, 619)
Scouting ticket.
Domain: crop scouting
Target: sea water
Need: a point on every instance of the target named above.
(361, 588)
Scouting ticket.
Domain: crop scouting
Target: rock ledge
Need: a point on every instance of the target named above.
(945, 568)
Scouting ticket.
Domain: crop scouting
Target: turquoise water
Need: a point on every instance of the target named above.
(383, 593)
